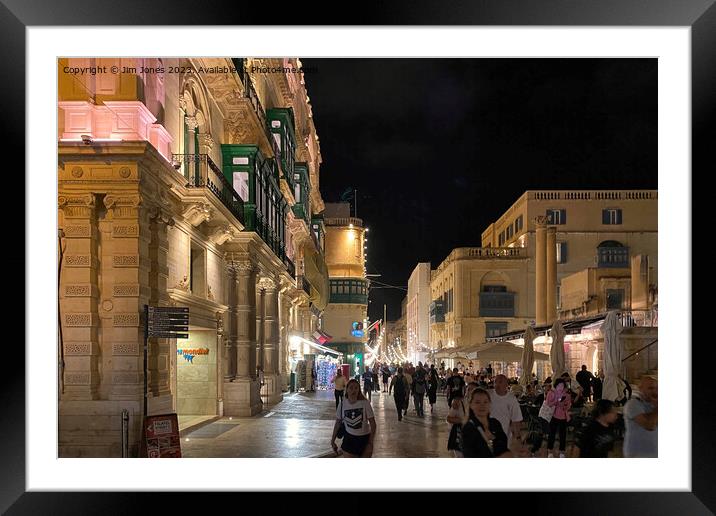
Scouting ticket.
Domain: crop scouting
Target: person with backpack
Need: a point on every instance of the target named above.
(420, 387)
(400, 390)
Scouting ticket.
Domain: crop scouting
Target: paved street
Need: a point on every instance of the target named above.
(301, 426)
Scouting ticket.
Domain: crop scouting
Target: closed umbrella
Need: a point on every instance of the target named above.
(612, 357)
(556, 354)
(528, 356)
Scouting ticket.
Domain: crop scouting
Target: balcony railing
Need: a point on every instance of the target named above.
(589, 195)
(614, 257)
(484, 253)
(303, 284)
(497, 304)
(202, 172)
(343, 221)
(639, 318)
(289, 266)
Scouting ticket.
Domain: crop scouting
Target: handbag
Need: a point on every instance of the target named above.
(546, 412)
(342, 428)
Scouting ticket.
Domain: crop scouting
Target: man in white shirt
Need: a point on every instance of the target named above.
(506, 409)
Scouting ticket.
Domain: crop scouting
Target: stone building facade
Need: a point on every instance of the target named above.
(194, 189)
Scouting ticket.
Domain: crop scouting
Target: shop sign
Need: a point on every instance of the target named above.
(161, 436)
(189, 354)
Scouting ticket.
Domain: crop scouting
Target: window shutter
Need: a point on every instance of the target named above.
(563, 216)
(605, 216)
(564, 252)
(619, 216)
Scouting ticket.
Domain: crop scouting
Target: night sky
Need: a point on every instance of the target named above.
(440, 148)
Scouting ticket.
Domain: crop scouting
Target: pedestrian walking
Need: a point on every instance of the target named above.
(409, 379)
(339, 383)
(597, 440)
(641, 414)
(560, 399)
(506, 409)
(386, 377)
(420, 387)
(356, 416)
(455, 386)
(368, 383)
(400, 389)
(597, 384)
(543, 418)
(584, 379)
(433, 382)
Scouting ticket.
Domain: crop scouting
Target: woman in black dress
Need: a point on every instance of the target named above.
(482, 435)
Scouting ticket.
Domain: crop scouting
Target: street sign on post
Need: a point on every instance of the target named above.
(162, 322)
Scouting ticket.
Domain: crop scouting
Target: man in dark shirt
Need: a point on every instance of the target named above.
(597, 383)
(455, 385)
(584, 379)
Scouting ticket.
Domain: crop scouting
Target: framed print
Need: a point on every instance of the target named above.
(252, 252)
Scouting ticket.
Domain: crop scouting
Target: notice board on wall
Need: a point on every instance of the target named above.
(161, 437)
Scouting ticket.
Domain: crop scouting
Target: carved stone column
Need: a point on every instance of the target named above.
(272, 388)
(79, 297)
(240, 390)
(540, 270)
(551, 266)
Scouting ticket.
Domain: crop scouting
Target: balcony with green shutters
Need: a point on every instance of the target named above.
(497, 304)
(349, 290)
(255, 178)
(280, 124)
(302, 191)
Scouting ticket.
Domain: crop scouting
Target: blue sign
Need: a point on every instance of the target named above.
(357, 333)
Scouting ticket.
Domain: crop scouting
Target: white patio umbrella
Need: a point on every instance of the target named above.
(556, 353)
(612, 357)
(528, 356)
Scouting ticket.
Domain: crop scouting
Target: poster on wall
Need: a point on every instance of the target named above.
(161, 436)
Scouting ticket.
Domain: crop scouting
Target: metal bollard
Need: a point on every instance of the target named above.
(125, 433)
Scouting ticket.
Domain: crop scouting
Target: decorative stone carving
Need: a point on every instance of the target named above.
(125, 230)
(122, 206)
(191, 122)
(223, 233)
(541, 220)
(78, 320)
(77, 260)
(107, 305)
(206, 143)
(126, 320)
(160, 215)
(78, 231)
(183, 284)
(78, 291)
(125, 348)
(77, 172)
(125, 260)
(78, 348)
(77, 378)
(124, 172)
(197, 212)
(266, 283)
(182, 102)
(209, 294)
(130, 290)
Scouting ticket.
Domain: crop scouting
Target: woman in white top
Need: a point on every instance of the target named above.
(355, 413)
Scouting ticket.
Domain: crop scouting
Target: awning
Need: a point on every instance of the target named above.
(316, 273)
(504, 352)
(571, 327)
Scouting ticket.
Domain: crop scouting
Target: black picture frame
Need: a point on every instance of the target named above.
(699, 15)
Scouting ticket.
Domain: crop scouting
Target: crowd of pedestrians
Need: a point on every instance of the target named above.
(491, 415)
